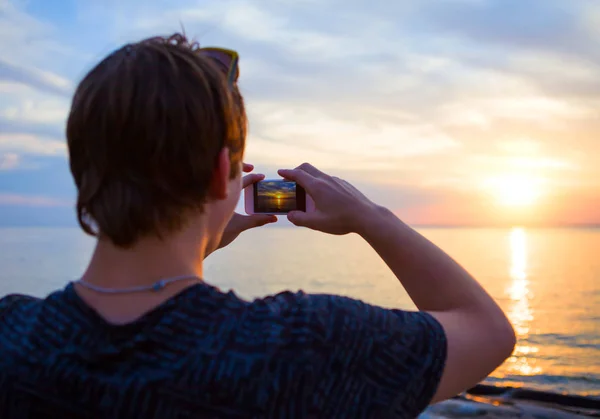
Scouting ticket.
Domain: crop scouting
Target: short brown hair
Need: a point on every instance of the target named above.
(144, 132)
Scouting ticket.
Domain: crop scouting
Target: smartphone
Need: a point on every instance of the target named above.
(276, 196)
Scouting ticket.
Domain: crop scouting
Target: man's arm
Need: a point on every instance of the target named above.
(478, 333)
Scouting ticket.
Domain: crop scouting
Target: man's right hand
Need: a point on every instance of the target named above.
(478, 334)
(340, 207)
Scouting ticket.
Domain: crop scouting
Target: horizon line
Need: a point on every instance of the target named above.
(414, 225)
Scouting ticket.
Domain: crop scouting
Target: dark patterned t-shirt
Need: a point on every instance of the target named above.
(209, 354)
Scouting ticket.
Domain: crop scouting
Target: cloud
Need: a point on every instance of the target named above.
(33, 144)
(38, 175)
(556, 74)
(546, 111)
(533, 25)
(38, 79)
(334, 134)
(591, 18)
(44, 131)
(34, 201)
(423, 99)
(36, 109)
(35, 45)
(9, 161)
(34, 96)
(543, 42)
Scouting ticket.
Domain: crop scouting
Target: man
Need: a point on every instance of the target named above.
(156, 137)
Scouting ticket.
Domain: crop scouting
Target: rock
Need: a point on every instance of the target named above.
(506, 402)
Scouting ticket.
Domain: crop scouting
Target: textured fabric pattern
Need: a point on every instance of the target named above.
(209, 354)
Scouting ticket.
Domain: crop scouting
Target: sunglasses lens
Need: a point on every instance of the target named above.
(224, 59)
(221, 57)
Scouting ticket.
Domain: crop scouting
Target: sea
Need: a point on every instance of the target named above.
(547, 281)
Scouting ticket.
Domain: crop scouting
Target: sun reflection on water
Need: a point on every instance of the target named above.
(520, 312)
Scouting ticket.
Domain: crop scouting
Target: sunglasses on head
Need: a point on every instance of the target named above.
(227, 59)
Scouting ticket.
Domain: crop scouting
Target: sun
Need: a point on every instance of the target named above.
(516, 190)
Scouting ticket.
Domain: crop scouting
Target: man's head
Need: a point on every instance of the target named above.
(156, 136)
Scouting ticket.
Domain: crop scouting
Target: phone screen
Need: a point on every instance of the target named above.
(278, 197)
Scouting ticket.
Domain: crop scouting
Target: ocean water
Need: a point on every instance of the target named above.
(547, 280)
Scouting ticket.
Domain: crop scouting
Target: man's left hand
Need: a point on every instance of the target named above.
(240, 223)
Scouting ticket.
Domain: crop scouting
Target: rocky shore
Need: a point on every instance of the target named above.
(485, 401)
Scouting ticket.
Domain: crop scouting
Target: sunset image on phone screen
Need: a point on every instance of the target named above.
(275, 197)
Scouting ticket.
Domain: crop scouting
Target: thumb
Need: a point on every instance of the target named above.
(305, 219)
(258, 220)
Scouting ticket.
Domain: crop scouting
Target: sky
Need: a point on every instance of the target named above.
(449, 112)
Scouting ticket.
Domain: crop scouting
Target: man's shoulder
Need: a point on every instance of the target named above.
(290, 303)
(305, 313)
(11, 302)
(21, 311)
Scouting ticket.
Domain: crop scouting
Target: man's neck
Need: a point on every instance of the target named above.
(145, 263)
(148, 261)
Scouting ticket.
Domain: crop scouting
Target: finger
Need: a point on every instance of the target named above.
(309, 168)
(247, 167)
(250, 179)
(304, 179)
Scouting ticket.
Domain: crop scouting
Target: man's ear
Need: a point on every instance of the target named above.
(219, 185)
